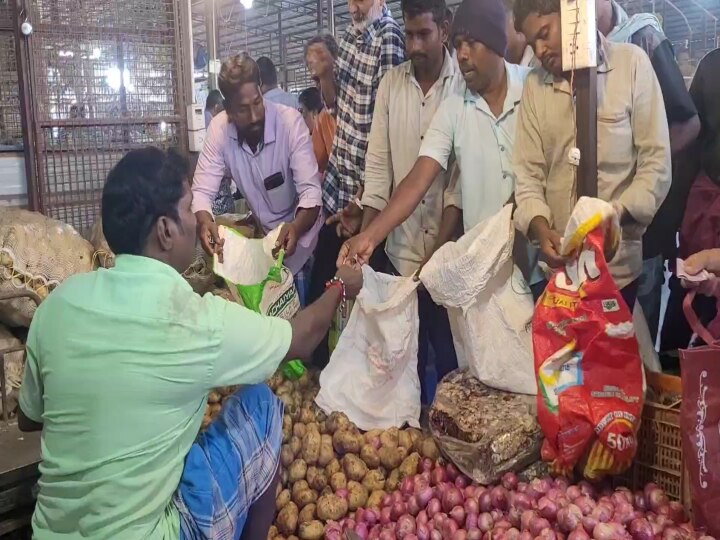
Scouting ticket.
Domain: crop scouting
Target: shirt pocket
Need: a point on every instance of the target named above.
(615, 141)
(281, 198)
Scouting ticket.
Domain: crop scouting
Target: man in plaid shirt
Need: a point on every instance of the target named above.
(371, 46)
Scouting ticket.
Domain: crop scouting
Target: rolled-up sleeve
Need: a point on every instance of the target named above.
(210, 167)
(452, 196)
(303, 164)
(529, 164)
(651, 135)
(378, 162)
(440, 136)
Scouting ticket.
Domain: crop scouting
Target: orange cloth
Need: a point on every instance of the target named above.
(323, 137)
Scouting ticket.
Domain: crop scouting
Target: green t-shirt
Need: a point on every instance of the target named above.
(119, 366)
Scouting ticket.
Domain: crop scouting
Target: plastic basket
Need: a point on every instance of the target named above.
(659, 453)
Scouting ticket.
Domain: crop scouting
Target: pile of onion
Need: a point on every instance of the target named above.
(440, 503)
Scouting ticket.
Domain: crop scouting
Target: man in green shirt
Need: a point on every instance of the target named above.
(119, 366)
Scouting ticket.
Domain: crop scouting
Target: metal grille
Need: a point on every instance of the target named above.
(105, 80)
(10, 127)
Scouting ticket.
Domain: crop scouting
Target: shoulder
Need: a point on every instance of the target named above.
(648, 38)
(395, 75)
(710, 61)
(389, 31)
(219, 125)
(74, 289)
(620, 53)
(284, 114)
(518, 73)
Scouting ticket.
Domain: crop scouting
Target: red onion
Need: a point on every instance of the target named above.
(411, 537)
(386, 500)
(609, 531)
(522, 487)
(471, 521)
(460, 534)
(586, 488)
(474, 534)
(706, 537)
(676, 512)
(510, 480)
(526, 535)
(513, 516)
(361, 529)
(436, 535)
(397, 497)
(561, 483)
(520, 501)
(371, 516)
(349, 523)
(385, 516)
(569, 518)
(451, 498)
(405, 525)
(470, 491)
(449, 527)
(547, 508)
(640, 529)
(511, 534)
(423, 532)
(433, 508)
(462, 481)
(640, 500)
(458, 514)
(499, 498)
(471, 506)
(423, 496)
(526, 518)
(407, 486)
(578, 534)
(343, 493)
(485, 522)
(672, 533)
(538, 525)
(452, 472)
(387, 535)
(547, 534)
(413, 506)
(585, 504)
(589, 523)
(397, 510)
(622, 496)
(485, 501)
(602, 513)
(426, 465)
(439, 519)
(573, 492)
(438, 476)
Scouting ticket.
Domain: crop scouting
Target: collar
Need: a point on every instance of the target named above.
(448, 68)
(139, 264)
(515, 84)
(604, 48)
(269, 132)
(368, 34)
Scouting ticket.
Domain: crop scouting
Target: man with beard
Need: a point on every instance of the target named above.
(267, 148)
(659, 241)
(478, 126)
(633, 146)
(406, 102)
(370, 47)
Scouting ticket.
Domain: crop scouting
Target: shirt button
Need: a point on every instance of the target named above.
(426, 231)
(502, 148)
(505, 176)
(423, 201)
(422, 137)
(423, 103)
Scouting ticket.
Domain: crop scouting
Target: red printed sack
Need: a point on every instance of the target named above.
(589, 370)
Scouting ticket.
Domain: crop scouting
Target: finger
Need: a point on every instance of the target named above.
(333, 219)
(343, 255)
(338, 230)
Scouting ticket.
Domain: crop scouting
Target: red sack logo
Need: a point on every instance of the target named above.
(589, 370)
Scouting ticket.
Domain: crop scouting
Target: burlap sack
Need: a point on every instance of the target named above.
(14, 366)
(103, 255)
(36, 254)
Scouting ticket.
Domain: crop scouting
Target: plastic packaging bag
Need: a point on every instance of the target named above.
(590, 377)
(485, 432)
(489, 304)
(372, 374)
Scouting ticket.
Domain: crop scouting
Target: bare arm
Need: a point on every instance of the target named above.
(369, 215)
(312, 323)
(683, 134)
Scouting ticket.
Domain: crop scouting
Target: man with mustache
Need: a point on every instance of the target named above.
(406, 102)
(478, 126)
(267, 148)
(371, 46)
(633, 146)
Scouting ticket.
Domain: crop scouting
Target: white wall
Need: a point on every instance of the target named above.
(13, 187)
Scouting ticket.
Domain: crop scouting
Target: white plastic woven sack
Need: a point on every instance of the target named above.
(372, 375)
(255, 278)
(36, 254)
(489, 304)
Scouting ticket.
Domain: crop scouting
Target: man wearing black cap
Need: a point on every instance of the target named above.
(477, 126)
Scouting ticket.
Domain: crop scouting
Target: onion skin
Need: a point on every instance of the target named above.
(471, 521)
(436, 535)
(422, 532)
(578, 534)
(361, 529)
(609, 531)
(640, 529)
(485, 501)
(510, 481)
(471, 506)
(422, 518)
(547, 508)
(452, 472)
(538, 525)
(485, 522)
(405, 525)
(397, 510)
(433, 508)
(458, 515)
(521, 501)
(573, 492)
(461, 482)
(499, 498)
(569, 518)
(474, 534)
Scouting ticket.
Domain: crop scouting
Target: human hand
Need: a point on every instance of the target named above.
(705, 261)
(550, 242)
(357, 249)
(348, 220)
(209, 235)
(352, 278)
(287, 240)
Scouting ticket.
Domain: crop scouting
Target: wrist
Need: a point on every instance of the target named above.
(203, 216)
(337, 284)
(539, 227)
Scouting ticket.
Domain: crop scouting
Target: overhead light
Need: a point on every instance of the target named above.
(95, 54)
(247, 4)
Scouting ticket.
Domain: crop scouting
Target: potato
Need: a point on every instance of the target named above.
(299, 486)
(282, 499)
(409, 466)
(338, 481)
(415, 435)
(333, 467)
(289, 405)
(390, 457)
(313, 530)
(316, 478)
(327, 453)
(214, 397)
(284, 477)
(272, 532)
(331, 507)
(307, 513)
(358, 495)
(390, 438)
(299, 430)
(372, 435)
(323, 427)
(298, 470)
(405, 440)
(305, 497)
(354, 467)
(295, 446)
(327, 491)
(313, 427)
(287, 519)
(285, 387)
(311, 447)
(337, 421)
(370, 456)
(393, 481)
(374, 480)
(306, 416)
(429, 449)
(346, 442)
(375, 499)
(275, 381)
(286, 455)
(287, 428)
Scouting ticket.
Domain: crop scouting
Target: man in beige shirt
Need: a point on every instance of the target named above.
(633, 154)
(407, 99)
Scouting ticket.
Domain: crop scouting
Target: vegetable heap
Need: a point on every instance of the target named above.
(440, 503)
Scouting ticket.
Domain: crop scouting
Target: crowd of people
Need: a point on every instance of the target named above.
(408, 138)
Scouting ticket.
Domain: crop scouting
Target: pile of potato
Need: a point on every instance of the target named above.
(330, 468)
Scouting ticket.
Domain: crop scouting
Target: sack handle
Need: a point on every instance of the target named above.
(695, 324)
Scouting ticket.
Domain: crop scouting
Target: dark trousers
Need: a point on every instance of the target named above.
(628, 293)
(434, 337)
(676, 332)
